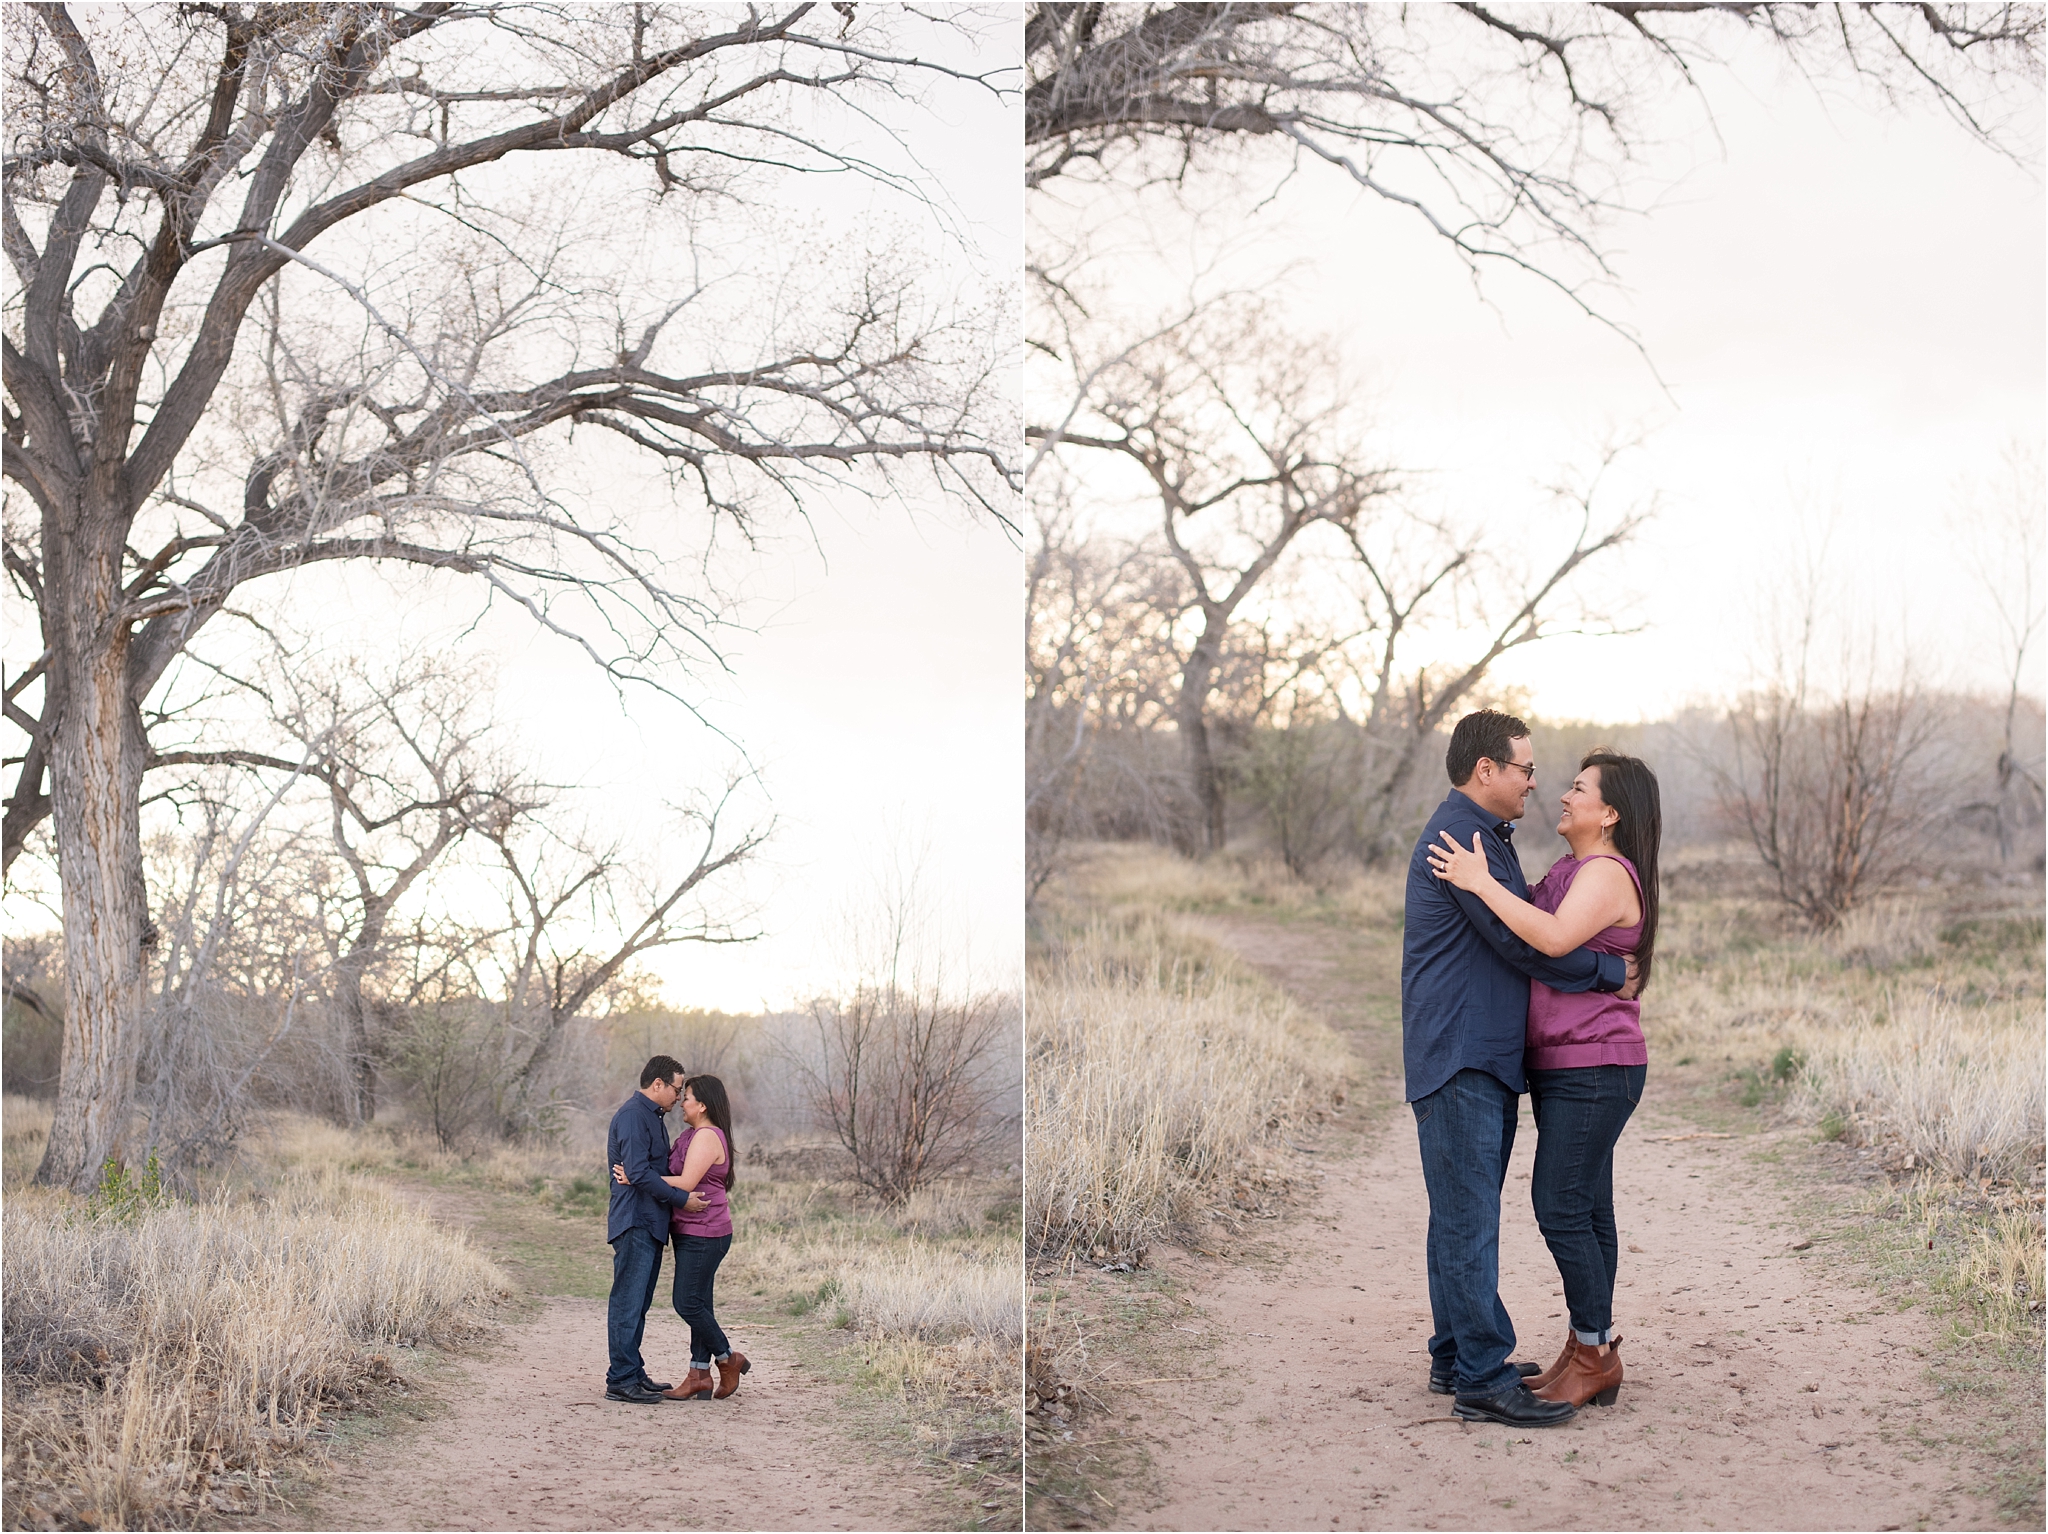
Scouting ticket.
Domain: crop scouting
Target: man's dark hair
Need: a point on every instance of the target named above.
(1486, 733)
(660, 1068)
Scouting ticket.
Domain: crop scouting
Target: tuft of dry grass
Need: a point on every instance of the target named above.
(161, 1361)
(1157, 1065)
(1905, 1028)
(932, 1288)
(1955, 1088)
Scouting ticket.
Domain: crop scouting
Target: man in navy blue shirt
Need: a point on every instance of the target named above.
(637, 1224)
(1464, 1013)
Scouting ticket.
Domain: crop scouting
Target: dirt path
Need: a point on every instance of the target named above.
(1762, 1392)
(531, 1443)
(528, 1441)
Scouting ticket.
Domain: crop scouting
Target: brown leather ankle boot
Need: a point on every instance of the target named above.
(695, 1386)
(1587, 1376)
(730, 1368)
(1570, 1342)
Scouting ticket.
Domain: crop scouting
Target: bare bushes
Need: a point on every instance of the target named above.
(1911, 1031)
(1834, 793)
(913, 1082)
(1156, 1066)
(160, 1364)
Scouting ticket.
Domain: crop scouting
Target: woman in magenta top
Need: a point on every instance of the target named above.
(701, 1161)
(1584, 1054)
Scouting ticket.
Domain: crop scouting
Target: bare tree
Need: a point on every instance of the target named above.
(1232, 423)
(1405, 566)
(178, 180)
(560, 893)
(913, 1075)
(1827, 778)
(1512, 131)
(910, 1081)
(1101, 672)
(2002, 545)
(405, 782)
(245, 963)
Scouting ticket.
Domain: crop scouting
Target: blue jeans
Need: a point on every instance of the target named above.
(1579, 1117)
(1467, 1131)
(697, 1260)
(636, 1265)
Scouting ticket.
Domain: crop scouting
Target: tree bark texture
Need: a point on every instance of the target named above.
(96, 772)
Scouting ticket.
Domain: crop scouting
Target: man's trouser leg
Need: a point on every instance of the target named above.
(1466, 1131)
(636, 1265)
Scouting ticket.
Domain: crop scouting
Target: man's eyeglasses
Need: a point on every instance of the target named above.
(1526, 769)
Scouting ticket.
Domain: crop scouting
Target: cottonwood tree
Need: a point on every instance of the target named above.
(356, 234)
(577, 917)
(1511, 131)
(1238, 428)
(1409, 574)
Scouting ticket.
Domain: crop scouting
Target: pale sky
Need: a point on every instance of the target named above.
(877, 691)
(873, 654)
(1847, 307)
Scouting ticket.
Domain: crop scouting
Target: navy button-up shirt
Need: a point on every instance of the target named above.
(1464, 975)
(638, 1141)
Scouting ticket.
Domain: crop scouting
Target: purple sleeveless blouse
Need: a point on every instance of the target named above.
(1588, 1028)
(715, 1218)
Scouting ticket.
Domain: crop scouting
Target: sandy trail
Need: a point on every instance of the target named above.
(1326, 1420)
(531, 1443)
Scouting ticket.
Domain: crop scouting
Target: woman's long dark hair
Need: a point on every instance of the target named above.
(710, 1091)
(1629, 788)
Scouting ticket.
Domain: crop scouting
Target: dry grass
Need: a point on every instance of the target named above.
(931, 1289)
(1157, 1066)
(163, 1359)
(1909, 1029)
(1151, 878)
(234, 1327)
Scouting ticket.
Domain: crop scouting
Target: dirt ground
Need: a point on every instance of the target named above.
(529, 1442)
(1763, 1391)
(521, 1436)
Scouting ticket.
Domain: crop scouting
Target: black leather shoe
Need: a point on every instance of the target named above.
(1516, 1407)
(635, 1395)
(1446, 1385)
(657, 1386)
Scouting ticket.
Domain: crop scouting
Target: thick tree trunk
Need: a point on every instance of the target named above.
(96, 778)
